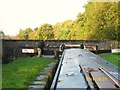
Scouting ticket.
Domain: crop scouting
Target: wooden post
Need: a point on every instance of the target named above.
(39, 52)
(56, 55)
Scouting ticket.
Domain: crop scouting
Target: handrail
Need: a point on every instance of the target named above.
(110, 76)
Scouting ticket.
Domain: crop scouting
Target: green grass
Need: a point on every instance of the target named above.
(114, 58)
(19, 73)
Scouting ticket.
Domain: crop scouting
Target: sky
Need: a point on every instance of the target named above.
(22, 14)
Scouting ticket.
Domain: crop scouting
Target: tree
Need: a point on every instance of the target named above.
(24, 34)
(2, 35)
(99, 21)
(46, 31)
(62, 30)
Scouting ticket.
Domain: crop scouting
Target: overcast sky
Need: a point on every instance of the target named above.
(21, 14)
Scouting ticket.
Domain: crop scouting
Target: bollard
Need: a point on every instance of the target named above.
(63, 47)
(82, 46)
(96, 46)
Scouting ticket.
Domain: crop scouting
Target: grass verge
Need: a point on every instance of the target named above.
(19, 73)
(114, 58)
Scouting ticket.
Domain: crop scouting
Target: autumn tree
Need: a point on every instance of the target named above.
(24, 34)
(98, 22)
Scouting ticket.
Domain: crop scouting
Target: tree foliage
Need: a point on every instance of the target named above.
(24, 34)
(98, 22)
